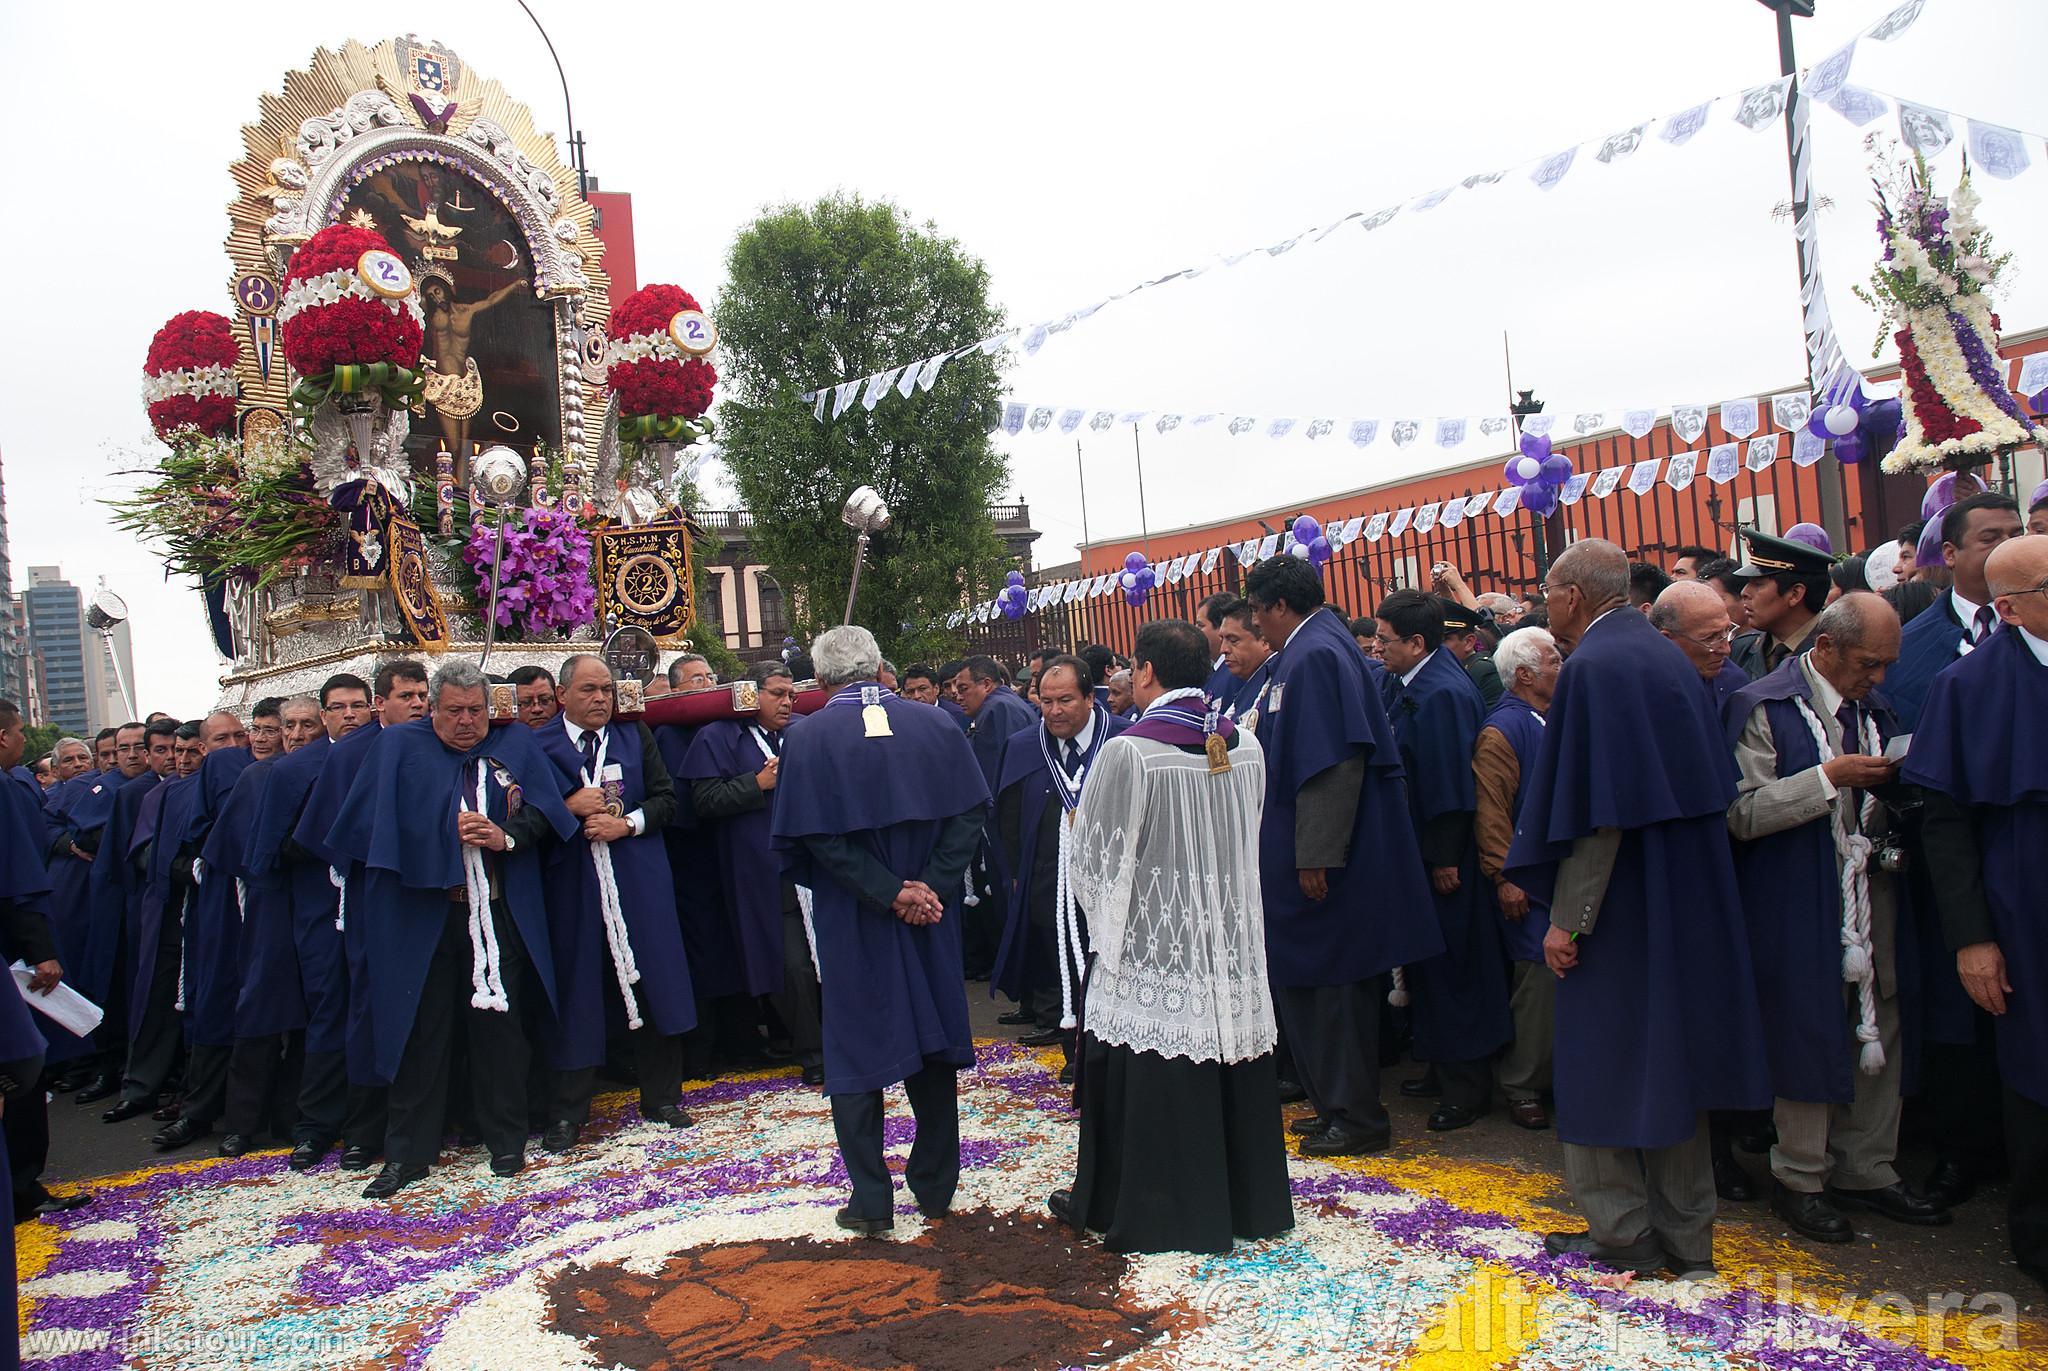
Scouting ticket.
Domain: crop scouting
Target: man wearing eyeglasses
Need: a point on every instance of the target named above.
(1980, 751)
(1693, 616)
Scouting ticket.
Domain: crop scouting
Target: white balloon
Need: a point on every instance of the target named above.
(1840, 420)
(1528, 468)
(1127, 579)
(1299, 550)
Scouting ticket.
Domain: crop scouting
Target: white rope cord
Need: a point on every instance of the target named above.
(804, 900)
(1858, 966)
(486, 981)
(610, 910)
(242, 898)
(1073, 949)
(340, 884)
(1397, 996)
(198, 879)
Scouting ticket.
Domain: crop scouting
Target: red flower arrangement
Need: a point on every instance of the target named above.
(189, 374)
(331, 318)
(648, 373)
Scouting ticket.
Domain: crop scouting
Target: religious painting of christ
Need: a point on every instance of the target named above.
(489, 351)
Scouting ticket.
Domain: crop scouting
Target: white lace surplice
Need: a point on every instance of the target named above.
(1165, 860)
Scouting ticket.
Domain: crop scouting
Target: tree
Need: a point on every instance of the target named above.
(840, 289)
(41, 739)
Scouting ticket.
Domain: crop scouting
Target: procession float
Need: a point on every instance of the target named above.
(425, 427)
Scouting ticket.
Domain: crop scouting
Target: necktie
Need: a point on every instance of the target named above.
(1986, 620)
(775, 743)
(1073, 757)
(1849, 717)
(589, 752)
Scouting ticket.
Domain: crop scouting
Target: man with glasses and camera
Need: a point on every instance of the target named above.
(1694, 617)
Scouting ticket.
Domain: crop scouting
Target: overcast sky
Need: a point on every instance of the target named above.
(1077, 149)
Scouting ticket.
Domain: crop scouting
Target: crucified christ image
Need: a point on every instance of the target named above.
(454, 387)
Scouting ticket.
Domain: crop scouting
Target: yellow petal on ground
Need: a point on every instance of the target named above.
(1491, 1322)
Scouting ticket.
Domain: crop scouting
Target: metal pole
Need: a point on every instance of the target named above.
(1081, 473)
(1144, 525)
(571, 136)
(1828, 471)
(121, 681)
(491, 613)
(860, 551)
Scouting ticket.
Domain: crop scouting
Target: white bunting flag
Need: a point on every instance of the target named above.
(1402, 518)
(907, 382)
(2033, 374)
(1476, 506)
(1723, 461)
(1507, 502)
(1682, 468)
(1210, 558)
(1450, 432)
(1607, 481)
(1363, 431)
(1924, 130)
(1898, 21)
(1637, 422)
(1574, 488)
(1425, 517)
(1762, 452)
(1738, 418)
(1269, 546)
(1404, 431)
(1280, 428)
(1352, 527)
(1453, 514)
(878, 384)
(1375, 526)
(1679, 128)
(1791, 410)
(1997, 151)
(1070, 419)
(1583, 424)
(818, 411)
(844, 395)
(1013, 418)
(1759, 105)
(1858, 106)
(1829, 74)
(1539, 423)
(1317, 428)
(1040, 420)
(1807, 448)
(928, 374)
(1103, 421)
(1688, 422)
(1642, 477)
(1552, 169)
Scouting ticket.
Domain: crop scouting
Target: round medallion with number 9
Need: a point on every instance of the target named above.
(693, 332)
(384, 273)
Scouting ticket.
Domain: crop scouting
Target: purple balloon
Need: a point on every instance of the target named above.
(1557, 469)
(1147, 577)
(1013, 609)
(1319, 549)
(1536, 445)
(1134, 561)
(1928, 553)
(1016, 578)
(1881, 421)
(1849, 448)
(2039, 400)
(1948, 488)
(1539, 500)
(1134, 598)
(1305, 529)
(1817, 422)
(1813, 535)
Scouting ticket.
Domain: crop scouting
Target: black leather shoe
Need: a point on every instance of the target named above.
(1044, 1037)
(307, 1155)
(1308, 1127)
(54, 1204)
(1016, 1017)
(1684, 1270)
(392, 1179)
(177, 1134)
(356, 1159)
(935, 1211)
(1339, 1141)
(561, 1135)
(1644, 1256)
(511, 1164)
(166, 1113)
(235, 1144)
(1453, 1116)
(1528, 1114)
(1731, 1182)
(1423, 1087)
(100, 1087)
(673, 1115)
(1811, 1215)
(1060, 1204)
(1896, 1203)
(124, 1109)
(1949, 1184)
(1291, 1091)
(67, 1082)
(813, 1075)
(1067, 1074)
(867, 1228)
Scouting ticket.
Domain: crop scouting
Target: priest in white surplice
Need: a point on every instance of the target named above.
(1181, 1141)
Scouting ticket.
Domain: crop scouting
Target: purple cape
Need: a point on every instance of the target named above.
(1983, 741)
(163, 895)
(74, 809)
(323, 807)
(893, 995)
(586, 984)
(1321, 709)
(1222, 688)
(399, 822)
(1002, 714)
(708, 939)
(1516, 720)
(749, 883)
(270, 999)
(1792, 904)
(1024, 768)
(213, 921)
(273, 854)
(113, 890)
(1460, 995)
(1927, 647)
(1658, 1021)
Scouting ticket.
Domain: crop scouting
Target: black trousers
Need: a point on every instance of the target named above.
(981, 924)
(2026, 1214)
(206, 1085)
(26, 1123)
(154, 1042)
(499, 1053)
(657, 1063)
(1469, 1084)
(1961, 1093)
(1334, 1033)
(798, 1003)
(263, 1084)
(933, 1171)
(330, 1108)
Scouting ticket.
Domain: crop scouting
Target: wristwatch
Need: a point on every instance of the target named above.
(510, 842)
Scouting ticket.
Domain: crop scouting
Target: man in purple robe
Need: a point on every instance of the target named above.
(1044, 768)
(700, 905)
(1823, 919)
(886, 862)
(1981, 754)
(398, 696)
(1502, 760)
(268, 1058)
(1460, 996)
(733, 770)
(1339, 868)
(148, 933)
(1223, 683)
(1624, 836)
(447, 816)
(618, 948)
(114, 891)
(1694, 616)
(78, 810)
(994, 713)
(23, 884)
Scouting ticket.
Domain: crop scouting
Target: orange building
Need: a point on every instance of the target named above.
(1502, 554)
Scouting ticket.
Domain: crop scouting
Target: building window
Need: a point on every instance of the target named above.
(774, 624)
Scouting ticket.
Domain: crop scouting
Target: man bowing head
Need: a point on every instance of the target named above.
(881, 806)
(445, 816)
(618, 946)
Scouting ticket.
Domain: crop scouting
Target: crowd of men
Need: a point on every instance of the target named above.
(1681, 863)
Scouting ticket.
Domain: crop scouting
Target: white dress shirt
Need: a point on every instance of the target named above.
(637, 820)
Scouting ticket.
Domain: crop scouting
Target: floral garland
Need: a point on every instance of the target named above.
(1933, 290)
(188, 376)
(217, 515)
(329, 317)
(544, 580)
